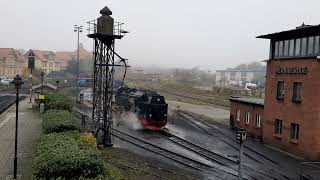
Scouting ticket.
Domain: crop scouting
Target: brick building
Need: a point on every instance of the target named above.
(12, 63)
(291, 116)
(247, 113)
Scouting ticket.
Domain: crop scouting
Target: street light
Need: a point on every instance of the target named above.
(77, 29)
(42, 74)
(31, 60)
(57, 83)
(17, 81)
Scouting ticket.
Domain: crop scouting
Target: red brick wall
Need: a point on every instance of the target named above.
(251, 128)
(306, 113)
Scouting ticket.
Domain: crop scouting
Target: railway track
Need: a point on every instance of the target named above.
(226, 138)
(6, 101)
(178, 158)
(220, 165)
(197, 97)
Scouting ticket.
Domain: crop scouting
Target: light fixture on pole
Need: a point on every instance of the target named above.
(31, 60)
(78, 29)
(17, 81)
(42, 74)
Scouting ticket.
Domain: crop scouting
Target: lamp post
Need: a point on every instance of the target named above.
(77, 29)
(42, 74)
(17, 81)
(31, 60)
(57, 83)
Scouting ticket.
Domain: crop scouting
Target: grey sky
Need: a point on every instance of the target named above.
(172, 33)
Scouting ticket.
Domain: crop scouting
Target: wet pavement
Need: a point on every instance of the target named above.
(29, 131)
(257, 167)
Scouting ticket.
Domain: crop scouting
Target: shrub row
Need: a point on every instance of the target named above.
(58, 101)
(63, 152)
(55, 121)
(67, 156)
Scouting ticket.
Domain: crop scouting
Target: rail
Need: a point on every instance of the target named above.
(86, 124)
(250, 152)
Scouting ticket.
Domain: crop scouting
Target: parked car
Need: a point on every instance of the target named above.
(6, 81)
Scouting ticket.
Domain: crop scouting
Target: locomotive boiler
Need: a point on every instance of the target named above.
(149, 106)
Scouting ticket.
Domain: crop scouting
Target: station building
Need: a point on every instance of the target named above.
(290, 112)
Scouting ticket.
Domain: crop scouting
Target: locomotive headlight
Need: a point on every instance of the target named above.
(150, 115)
(165, 115)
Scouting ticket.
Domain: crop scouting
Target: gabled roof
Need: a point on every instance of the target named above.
(6, 52)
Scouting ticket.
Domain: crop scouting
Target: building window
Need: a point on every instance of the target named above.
(297, 87)
(286, 48)
(297, 47)
(280, 90)
(304, 46)
(276, 49)
(232, 76)
(247, 117)
(310, 45)
(316, 45)
(294, 133)
(291, 47)
(278, 127)
(258, 120)
(238, 114)
(280, 49)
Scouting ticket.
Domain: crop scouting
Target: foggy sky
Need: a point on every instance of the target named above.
(210, 34)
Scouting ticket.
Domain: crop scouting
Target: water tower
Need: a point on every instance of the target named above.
(104, 31)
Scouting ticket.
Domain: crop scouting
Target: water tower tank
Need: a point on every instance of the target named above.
(105, 22)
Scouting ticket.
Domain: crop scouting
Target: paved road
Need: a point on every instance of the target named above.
(29, 132)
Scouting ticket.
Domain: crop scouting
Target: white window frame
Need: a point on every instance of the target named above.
(247, 118)
(238, 114)
(258, 120)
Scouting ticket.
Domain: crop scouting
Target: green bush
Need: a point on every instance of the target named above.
(59, 155)
(57, 100)
(55, 121)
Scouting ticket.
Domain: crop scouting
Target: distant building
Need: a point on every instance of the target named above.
(85, 57)
(236, 77)
(44, 61)
(290, 119)
(12, 62)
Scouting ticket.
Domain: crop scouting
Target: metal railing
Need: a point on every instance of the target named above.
(117, 28)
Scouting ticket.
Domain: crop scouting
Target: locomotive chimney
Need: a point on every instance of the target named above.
(105, 23)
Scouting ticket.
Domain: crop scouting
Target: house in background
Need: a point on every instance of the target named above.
(44, 61)
(67, 60)
(12, 62)
(238, 77)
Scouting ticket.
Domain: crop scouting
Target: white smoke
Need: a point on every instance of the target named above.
(128, 119)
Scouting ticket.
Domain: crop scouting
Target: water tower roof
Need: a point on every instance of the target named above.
(106, 11)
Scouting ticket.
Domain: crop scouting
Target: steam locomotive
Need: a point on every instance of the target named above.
(149, 106)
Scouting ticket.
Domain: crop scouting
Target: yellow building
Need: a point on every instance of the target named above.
(12, 62)
(44, 61)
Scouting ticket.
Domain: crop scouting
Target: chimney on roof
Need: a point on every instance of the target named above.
(303, 25)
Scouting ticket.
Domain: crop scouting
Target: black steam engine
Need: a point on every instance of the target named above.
(149, 106)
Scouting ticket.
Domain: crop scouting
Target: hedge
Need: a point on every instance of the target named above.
(67, 156)
(55, 121)
(57, 100)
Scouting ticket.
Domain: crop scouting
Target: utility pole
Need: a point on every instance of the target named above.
(241, 137)
(77, 29)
